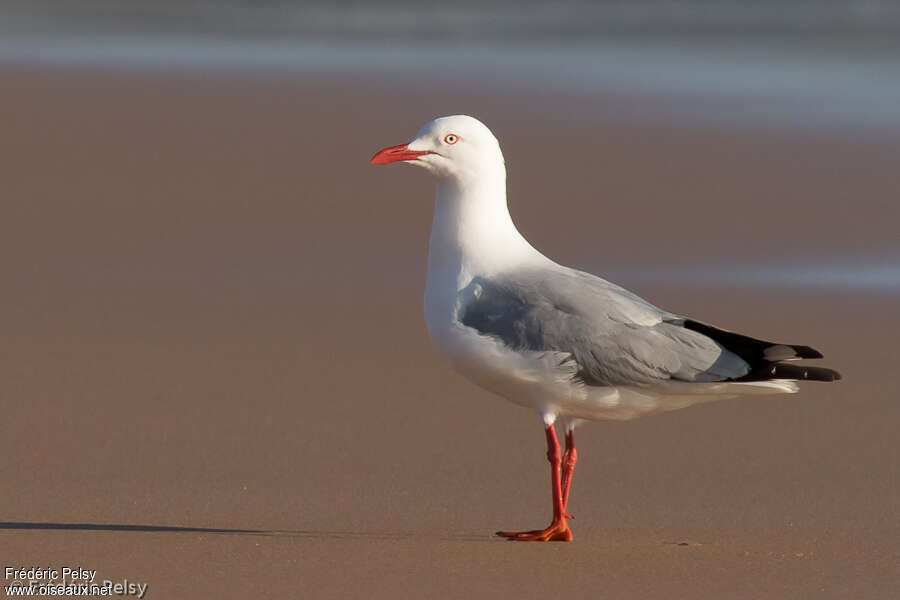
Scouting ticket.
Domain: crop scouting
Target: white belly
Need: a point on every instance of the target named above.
(545, 381)
(539, 380)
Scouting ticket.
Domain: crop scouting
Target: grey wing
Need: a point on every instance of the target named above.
(614, 336)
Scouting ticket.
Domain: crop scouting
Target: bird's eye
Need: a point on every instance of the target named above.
(451, 138)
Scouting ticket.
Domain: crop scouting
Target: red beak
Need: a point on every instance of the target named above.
(395, 154)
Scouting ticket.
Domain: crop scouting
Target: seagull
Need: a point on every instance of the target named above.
(567, 344)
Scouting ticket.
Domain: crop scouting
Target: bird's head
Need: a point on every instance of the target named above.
(458, 147)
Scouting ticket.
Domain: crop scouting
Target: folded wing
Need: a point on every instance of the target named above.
(616, 337)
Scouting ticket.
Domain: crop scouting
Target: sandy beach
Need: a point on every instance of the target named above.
(216, 379)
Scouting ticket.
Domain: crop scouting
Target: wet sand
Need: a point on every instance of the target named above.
(211, 320)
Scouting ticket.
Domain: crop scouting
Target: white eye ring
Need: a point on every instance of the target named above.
(451, 138)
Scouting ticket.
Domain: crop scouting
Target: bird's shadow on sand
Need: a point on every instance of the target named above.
(299, 533)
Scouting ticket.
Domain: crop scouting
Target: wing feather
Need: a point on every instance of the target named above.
(615, 337)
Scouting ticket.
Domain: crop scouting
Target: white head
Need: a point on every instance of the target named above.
(457, 147)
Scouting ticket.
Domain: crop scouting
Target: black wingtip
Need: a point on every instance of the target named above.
(791, 372)
(820, 374)
(808, 352)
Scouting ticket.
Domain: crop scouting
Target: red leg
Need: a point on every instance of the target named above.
(568, 468)
(558, 530)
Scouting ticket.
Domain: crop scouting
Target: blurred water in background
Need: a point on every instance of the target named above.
(459, 20)
(828, 65)
(805, 64)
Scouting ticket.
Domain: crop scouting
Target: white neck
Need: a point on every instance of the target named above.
(472, 232)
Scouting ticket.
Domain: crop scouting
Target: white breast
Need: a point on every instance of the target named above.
(540, 380)
(544, 381)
